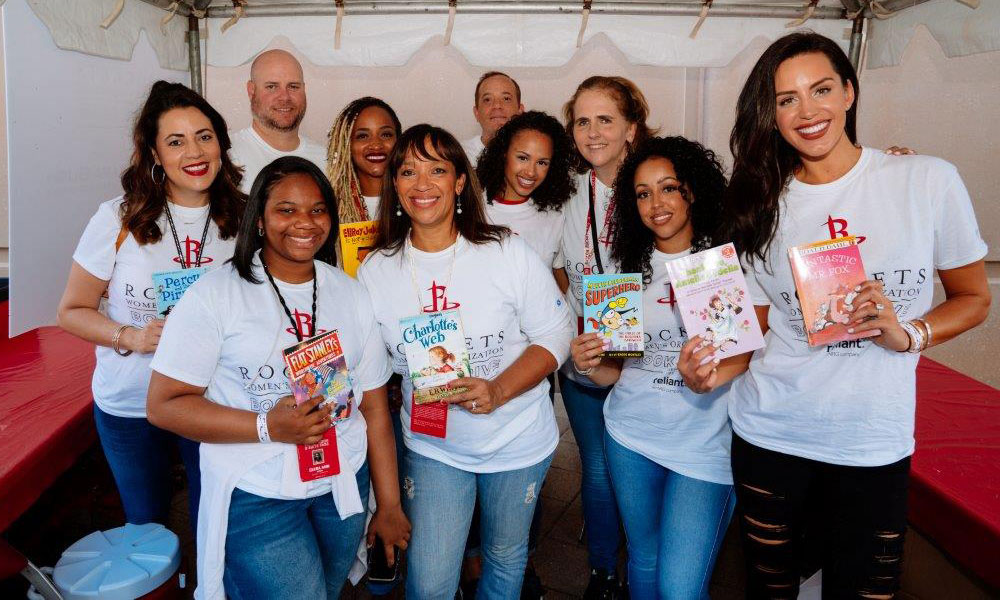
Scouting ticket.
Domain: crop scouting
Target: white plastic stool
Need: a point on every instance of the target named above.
(118, 564)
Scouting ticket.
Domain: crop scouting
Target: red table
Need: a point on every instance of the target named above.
(46, 412)
(955, 478)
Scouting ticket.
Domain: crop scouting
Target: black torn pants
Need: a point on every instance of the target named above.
(850, 521)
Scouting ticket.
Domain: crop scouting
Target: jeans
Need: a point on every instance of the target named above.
(290, 549)
(788, 505)
(674, 525)
(439, 500)
(585, 409)
(138, 453)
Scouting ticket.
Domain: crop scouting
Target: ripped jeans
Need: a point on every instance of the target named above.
(853, 519)
(438, 499)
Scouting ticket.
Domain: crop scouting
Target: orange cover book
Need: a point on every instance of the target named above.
(826, 274)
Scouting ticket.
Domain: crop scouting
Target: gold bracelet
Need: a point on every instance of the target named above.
(927, 328)
(117, 338)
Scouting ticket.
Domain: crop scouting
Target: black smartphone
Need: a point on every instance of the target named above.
(378, 567)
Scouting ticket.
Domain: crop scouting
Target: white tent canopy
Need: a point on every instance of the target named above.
(507, 33)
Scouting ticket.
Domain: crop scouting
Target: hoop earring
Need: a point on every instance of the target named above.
(260, 232)
(152, 174)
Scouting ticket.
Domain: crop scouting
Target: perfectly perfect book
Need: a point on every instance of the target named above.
(712, 297)
(826, 275)
(435, 354)
(612, 308)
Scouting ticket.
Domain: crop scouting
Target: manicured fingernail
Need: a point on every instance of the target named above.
(716, 361)
(850, 330)
(857, 288)
(849, 306)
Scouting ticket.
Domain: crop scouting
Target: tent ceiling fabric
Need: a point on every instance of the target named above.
(959, 29)
(75, 25)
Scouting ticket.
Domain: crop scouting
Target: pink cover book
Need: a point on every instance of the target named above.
(826, 274)
(712, 296)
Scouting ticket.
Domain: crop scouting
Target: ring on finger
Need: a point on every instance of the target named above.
(473, 405)
(878, 308)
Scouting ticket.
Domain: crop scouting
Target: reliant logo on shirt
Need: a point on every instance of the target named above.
(439, 299)
(191, 249)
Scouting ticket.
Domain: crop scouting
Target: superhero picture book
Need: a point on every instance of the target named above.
(612, 308)
(435, 354)
(825, 275)
(317, 367)
(169, 286)
(713, 300)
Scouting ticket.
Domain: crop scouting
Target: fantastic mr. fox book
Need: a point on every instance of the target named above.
(826, 274)
(612, 308)
(435, 354)
(317, 367)
(712, 297)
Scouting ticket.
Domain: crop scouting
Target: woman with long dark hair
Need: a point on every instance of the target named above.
(606, 116)
(667, 448)
(437, 252)
(220, 377)
(180, 209)
(824, 435)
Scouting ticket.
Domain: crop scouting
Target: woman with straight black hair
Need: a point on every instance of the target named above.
(436, 252)
(220, 378)
(823, 435)
(180, 209)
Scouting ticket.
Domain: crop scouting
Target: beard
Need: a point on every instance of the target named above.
(268, 121)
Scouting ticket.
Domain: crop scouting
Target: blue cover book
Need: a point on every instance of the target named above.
(612, 307)
(435, 354)
(169, 286)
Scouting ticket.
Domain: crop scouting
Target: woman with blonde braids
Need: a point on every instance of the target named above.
(360, 141)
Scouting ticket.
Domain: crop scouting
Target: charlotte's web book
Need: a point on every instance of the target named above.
(435, 354)
(826, 274)
(612, 308)
(712, 296)
(317, 367)
(169, 286)
(356, 240)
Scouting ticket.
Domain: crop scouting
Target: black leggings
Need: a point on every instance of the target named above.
(850, 520)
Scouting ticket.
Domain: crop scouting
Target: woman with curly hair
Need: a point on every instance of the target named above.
(526, 177)
(181, 208)
(360, 141)
(667, 447)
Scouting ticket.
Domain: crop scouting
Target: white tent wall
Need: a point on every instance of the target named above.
(68, 138)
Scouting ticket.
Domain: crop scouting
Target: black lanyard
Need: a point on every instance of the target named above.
(177, 241)
(592, 218)
(295, 326)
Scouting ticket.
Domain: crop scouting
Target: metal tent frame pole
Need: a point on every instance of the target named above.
(194, 55)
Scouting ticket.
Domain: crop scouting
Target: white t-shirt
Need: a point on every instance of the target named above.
(227, 335)
(508, 300)
(650, 411)
(251, 152)
(120, 382)
(541, 230)
(852, 403)
(371, 205)
(473, 147)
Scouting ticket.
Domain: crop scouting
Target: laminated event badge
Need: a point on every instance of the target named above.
(317, 367)
(435, 355)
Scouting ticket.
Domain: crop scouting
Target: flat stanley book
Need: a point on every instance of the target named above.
(435, 354)
(826, 274)
(317, 367)
(612, 307)
(712, 297)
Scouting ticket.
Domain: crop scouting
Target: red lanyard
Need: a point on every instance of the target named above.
(592, 225)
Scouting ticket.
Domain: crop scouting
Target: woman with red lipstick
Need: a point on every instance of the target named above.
(180, 209)
(525, 173)
(361, 139)
(606, 116)
(824, 435)
(220, 377)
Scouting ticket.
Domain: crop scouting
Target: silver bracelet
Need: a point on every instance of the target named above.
(584, 373)
(916, 335)
(117, 338)
(263, 435)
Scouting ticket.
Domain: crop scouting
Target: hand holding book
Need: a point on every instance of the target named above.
(480, 397)
(298, 424)
(871, 310)
(586, 350)
(698, 365)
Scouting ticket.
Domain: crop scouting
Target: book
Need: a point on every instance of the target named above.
(169, 286)
(435, 354)
(712, 297)
(317, 367)
(825, 275)
(356, 240)
(612, 307)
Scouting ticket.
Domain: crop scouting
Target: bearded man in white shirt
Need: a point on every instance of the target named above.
(277, 92)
